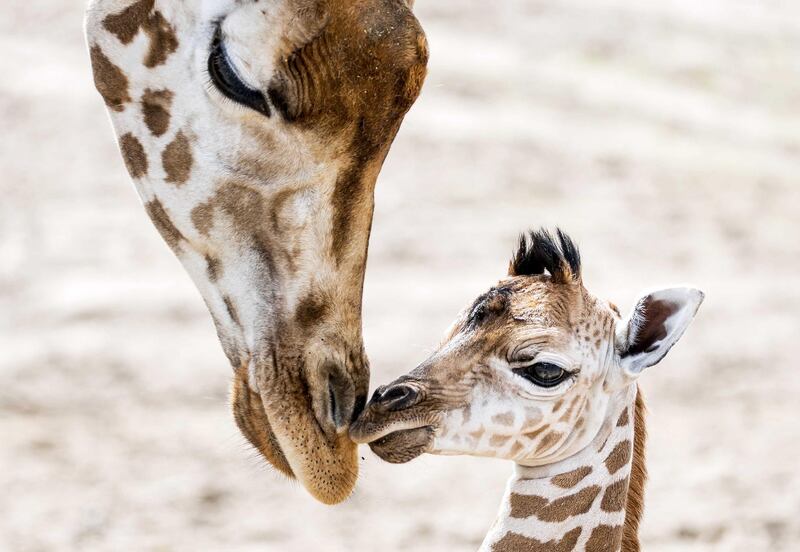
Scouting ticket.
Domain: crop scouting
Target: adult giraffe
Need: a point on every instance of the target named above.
(254, 132)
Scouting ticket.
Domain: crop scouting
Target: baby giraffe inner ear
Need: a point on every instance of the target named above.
(654, 326)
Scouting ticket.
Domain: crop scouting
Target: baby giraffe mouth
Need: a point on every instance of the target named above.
(403, 446)
(396, 443)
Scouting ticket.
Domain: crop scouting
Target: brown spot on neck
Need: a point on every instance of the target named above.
(110, 81)
(156, 106)
(558, 510)
(615, 496)
(164, 224)
(604, 538)
(514, 542)
(133, 154)
(618, 457)
(177, 160)
(570, 479)
(623, 418)
(525, 506)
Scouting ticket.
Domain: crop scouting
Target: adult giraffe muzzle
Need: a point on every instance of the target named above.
(254, 132)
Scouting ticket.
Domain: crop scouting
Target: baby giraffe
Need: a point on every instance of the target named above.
(539, 371)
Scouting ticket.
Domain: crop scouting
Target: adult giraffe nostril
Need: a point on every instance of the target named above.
(361, 403)
(341, 400)
(397, 397)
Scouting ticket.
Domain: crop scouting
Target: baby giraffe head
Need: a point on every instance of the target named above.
(531, 370)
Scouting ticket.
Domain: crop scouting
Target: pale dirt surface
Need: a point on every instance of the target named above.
(665, 136)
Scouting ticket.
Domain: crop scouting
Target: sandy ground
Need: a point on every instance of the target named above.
(664, 136)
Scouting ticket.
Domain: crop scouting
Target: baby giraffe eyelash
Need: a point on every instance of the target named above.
(544, 374)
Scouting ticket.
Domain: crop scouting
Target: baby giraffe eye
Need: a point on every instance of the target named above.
(543, 374)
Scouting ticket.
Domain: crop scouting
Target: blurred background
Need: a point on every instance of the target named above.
(664, 136)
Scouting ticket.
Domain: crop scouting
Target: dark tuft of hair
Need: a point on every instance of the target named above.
(539, 252)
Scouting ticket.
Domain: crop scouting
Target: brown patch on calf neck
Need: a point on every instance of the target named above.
(514, 542)
(133, 154)
(618, 457)
(155, 108)
(623, 419)
(570, 479)
(109, 80)
(604, 538)
(558, 510)
(615, 496)
(524, 506)
(177, 160)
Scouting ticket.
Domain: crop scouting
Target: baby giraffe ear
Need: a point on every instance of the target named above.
(654, 326)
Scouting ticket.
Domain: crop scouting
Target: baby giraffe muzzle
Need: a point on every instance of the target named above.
(539, 371)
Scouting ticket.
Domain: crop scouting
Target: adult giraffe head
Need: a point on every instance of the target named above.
(254, 132)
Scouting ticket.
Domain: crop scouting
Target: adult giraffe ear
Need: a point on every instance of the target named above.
(656, 323)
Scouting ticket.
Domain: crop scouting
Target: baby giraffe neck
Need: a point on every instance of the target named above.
(590, 502)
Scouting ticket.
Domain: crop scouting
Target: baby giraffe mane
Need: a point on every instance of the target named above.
(635, 503)
(539, 252)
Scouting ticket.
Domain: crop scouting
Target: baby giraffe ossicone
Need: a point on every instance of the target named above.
(539, 371)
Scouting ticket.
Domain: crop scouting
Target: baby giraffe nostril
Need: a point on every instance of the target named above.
(398, 397)
(376, 395)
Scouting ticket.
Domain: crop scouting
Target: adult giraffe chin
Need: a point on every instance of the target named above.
(254, 132)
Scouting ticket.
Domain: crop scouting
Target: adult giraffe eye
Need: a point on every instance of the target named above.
(227, 81)
(543, 374)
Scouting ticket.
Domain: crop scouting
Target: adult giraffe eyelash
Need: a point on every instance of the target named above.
(223, 76)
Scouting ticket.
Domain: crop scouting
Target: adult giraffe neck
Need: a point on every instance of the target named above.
(589, 502)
